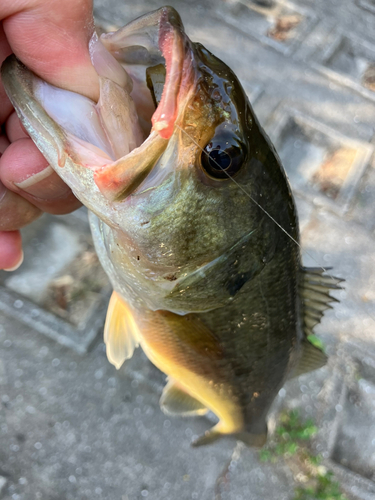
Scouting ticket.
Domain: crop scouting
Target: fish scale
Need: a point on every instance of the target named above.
(195, 226)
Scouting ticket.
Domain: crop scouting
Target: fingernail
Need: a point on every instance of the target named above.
(45, 184)
(27, 184)
(17, 265)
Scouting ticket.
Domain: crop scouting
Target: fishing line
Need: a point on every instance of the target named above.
(325, 270)
(257, 204)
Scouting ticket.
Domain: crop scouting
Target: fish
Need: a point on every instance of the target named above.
(193, 220)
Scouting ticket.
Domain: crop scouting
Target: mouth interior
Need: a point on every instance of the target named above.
(113, 137)
(155, 79)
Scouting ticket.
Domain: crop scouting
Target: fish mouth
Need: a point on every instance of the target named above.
(145, 73)
(157, 54)
(153, 41)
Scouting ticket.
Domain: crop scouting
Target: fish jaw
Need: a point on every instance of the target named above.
(105, 137)
(162, 34)
(73, 157)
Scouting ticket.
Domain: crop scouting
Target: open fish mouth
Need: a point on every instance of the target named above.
(154, 50)
(145, 71)
(155, 158)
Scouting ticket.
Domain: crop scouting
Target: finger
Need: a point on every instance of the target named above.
(14, 129)
(4, 143)
(15, 211)
(11, 255)
(25, 171)
(5, 51)
(51, 38)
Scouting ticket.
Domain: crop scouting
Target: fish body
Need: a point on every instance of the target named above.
(192, 217)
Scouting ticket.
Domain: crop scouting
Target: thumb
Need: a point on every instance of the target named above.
(51, 38)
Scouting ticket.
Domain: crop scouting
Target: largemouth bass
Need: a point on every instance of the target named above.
(192, 217)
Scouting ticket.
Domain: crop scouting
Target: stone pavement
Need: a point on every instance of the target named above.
(71, 426)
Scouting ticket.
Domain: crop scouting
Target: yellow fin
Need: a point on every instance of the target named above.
(256, 440)
(121, 333)
(176, 401)
(208, 437)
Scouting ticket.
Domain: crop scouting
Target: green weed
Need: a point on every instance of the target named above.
(292, 439)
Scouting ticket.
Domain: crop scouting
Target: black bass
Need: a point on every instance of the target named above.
(195, 222)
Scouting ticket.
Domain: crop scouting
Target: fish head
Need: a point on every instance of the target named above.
(171, 159)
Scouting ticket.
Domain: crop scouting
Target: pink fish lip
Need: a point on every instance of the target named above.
(116, 183)
(173, 46)
(168, 39)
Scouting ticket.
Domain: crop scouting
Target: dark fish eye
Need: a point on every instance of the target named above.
(223, 157)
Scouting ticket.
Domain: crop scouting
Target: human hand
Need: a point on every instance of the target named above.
(51, 38)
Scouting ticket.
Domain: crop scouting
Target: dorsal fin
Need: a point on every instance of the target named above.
(121, 334)
(315, 291)
(312, 358)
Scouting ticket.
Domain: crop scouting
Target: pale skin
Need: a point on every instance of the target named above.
(51, 38)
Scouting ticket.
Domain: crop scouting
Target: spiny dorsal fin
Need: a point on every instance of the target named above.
(315, 291)
(312, 358)
(121, 334)
(176, 401)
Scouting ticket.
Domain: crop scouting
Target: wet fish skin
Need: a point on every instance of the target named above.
(205, 279)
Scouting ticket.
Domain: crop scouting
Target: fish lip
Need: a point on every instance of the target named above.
(18, 84)
(169, 42)
(171, 45)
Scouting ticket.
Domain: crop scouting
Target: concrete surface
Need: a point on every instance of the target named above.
(71, 426)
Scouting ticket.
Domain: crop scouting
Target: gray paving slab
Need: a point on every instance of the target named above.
(75, 428)
(71, 426)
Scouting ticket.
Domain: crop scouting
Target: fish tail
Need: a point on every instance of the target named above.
(253, 439)
(255, 432)
(208, 437)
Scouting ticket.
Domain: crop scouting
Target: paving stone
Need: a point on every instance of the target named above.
(60, 262)
(334, 399)
(350, 16)
(349, 250)
(249, 479)
(76, 428)
(72, 426)
(44, 259)
(350, 61)
(279, 25)
(317, 159)
(347, 434)
(368, 5)
(363, 206)
(3, 482)
(355, 442)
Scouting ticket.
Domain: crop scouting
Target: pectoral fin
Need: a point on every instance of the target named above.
(121, 332)
(176, 401)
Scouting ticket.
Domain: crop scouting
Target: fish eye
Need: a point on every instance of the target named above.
(223, 157)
